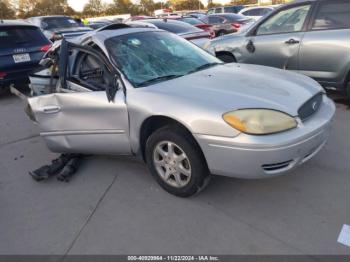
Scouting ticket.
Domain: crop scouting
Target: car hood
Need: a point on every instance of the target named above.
(235, 86)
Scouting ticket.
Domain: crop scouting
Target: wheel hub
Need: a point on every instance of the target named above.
(172, 164)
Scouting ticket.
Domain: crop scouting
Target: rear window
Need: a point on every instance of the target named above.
(256, 12)
(233, 9)
(192, 21)
(230, 9)
(216, 20)
(176, 27)
(234, 17)
(21, 37)
(58, 22)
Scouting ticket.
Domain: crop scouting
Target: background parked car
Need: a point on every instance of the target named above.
(138, 17)
(310, 37)
(226, 23)
(197, 23)
(185, 30)
(22, 46)
(256, 12)
(58, 27)
(198, 15)
(176, 106)
(225, 9)
(98, 24)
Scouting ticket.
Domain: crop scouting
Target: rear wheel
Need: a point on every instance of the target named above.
(176, 162)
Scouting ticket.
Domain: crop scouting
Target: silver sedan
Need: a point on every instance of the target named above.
(152, 94)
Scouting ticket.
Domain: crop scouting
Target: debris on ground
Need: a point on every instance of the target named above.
(63, 167)
(70, 169)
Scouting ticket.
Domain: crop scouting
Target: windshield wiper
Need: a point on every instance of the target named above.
(202, 67)
(158, 79)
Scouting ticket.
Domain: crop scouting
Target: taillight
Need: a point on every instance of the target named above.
(45, 48)
(236, 25)
(204, 26)
(207, 28)
(2, 75)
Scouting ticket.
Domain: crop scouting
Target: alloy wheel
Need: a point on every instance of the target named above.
(172, 164)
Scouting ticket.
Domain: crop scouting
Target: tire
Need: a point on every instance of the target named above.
(227, 58)
(191, 172)
(4, 90)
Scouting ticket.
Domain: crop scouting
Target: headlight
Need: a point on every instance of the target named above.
(259, 121)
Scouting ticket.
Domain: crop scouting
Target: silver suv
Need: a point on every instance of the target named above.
(310, 37)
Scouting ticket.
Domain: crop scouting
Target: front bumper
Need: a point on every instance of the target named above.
(247, 156)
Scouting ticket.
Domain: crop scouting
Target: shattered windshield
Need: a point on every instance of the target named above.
(152, 57)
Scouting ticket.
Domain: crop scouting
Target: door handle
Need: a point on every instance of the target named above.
(51, 109)
(292, 42)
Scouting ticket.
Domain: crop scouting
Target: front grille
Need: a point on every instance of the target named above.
(276, 166)
(310, 107)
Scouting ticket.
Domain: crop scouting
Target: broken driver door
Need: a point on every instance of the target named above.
(89, 115)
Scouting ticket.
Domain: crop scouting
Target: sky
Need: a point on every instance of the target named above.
(79, 4)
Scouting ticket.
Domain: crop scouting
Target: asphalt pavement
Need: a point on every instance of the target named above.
(113, 206)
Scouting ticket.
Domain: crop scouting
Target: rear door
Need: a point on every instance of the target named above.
(275, 41)
(90, 115)
(324, 52)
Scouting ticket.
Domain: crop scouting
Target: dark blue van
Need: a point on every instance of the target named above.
(22, 46)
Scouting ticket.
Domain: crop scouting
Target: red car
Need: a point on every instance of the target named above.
(194, 34)
(196, 22)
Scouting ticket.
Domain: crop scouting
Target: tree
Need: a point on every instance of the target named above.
(186, 4)
(6, 11)
(249, 2)
(28, 8)
(162, 5)
(122, 7)
(48, 7)
(94, 8)
(147, 7)
(212, 4)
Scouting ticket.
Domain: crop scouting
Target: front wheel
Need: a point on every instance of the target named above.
(176, 162)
